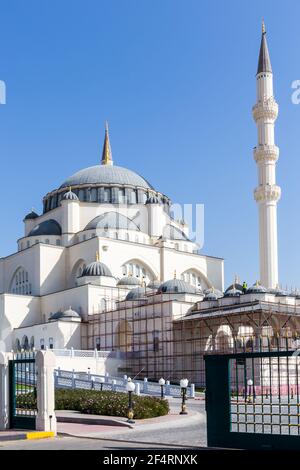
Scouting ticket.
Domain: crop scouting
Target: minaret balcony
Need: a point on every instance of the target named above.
(265, 109)
(266, 153)
(267, 193)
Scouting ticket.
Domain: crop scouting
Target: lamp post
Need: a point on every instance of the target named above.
(130, 387)
(101, 380)
(183, 385)
(250, 384)
(162, 383)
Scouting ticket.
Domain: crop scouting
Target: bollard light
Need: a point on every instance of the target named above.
(250, 385)
(162, 383)
(130, 387)
(183, 385)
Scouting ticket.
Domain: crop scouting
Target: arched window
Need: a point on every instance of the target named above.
(102, 305)
(51, 343)
(47, 241)
(25, 343)
(42, 343)
(137, 269)
(17, 345)
(195, 279)
(20, 283)
(31, 342)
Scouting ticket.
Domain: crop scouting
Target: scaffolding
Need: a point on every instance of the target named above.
(167, 335)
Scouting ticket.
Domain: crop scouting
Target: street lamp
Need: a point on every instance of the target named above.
(183, 385)
(130, 387)
(101, 380)
(250, 384)
(162, 383)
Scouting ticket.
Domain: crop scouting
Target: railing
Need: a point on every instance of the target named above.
(82, 353)
(88, 381)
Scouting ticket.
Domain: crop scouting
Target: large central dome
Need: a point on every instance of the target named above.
(105, 174)
(104, 184)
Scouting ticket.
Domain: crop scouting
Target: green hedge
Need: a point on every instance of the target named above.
(101, 403)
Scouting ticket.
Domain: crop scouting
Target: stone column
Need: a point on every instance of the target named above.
(45, 420)
(4, 390)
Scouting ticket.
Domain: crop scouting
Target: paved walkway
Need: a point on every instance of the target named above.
(171, 431)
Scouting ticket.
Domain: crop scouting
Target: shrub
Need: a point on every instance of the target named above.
(101, 403)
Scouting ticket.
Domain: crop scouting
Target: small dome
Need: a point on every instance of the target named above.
(32, 215)
(129, 281)
(236, 286)
(47, 227)
(70, 313)
(282, 293)
(256, 289)
(70, 196)
(152, 200)
(55, 316)
(176, 286)
(96, 269)
(211, 296)
(136, 294)
(154, 285)
(215, 291)
(67, 315)
(234, 292)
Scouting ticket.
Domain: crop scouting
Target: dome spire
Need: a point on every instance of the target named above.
(106, 152)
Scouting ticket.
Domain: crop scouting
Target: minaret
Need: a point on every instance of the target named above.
(267, 193)
(106, 152)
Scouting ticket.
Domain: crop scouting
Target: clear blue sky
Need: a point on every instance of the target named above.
(176, 80)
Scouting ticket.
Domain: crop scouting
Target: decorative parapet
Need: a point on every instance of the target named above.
(266, 153)
(268, 108)
(267, 193)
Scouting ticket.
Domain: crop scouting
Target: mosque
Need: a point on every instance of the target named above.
(107, 267)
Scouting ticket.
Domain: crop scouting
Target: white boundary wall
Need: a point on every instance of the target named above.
(93, 361)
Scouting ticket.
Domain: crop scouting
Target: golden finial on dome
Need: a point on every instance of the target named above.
(106, 152)
(97, 256)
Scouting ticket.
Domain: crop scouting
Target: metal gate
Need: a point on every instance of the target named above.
(22, 391)
(253, 400)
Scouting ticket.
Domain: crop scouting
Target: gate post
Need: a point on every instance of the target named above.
(45, 419)
(4, 390)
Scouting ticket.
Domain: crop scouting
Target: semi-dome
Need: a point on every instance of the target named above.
(136, 294)
(106, 174)
(31, 216)
(111, 220)
(256, 289)
(176, 286)
(97, 268)
(129, 281)
(47, 227)
(70, 196)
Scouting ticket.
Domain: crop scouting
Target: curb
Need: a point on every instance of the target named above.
(27, 436)
(95, 421)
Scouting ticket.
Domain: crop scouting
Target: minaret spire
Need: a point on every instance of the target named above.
(264, 62)
(266, 154)
(106, 152)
